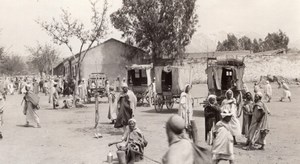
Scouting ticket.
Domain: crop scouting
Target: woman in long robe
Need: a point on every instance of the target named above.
(230, 104)
(30, 107)
(185, 107)
(112, 105)
(126, 105)
(212, 116)
(259, 127)
(247, 110)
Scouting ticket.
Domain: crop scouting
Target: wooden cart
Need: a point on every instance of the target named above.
(169, 83)
(139, 80)
(96, 84)
(224, 74)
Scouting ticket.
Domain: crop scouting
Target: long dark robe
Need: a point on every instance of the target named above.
(124, 111)
(247, 110)
(212, 116)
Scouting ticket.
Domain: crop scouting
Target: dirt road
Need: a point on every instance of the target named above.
(67, 135)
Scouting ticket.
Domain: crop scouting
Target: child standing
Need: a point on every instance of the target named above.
(222, 148)
(2, 104)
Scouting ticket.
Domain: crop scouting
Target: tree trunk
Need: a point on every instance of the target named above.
(76, 92)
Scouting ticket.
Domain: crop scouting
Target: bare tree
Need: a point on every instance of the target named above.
(43, 57)
(67, 29)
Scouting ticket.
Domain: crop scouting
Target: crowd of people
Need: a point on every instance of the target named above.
(222, 124)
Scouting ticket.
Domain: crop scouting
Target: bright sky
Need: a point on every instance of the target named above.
(19, 29)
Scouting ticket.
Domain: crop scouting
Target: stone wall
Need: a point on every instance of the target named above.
(285, 65)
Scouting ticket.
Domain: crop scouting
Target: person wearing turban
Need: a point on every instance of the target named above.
(222, 147)
(247, 109)
(134, 142)
(259, 127)
(212, 116)
(180, 147)
(185, 106)
(230, 104)
(126, 105)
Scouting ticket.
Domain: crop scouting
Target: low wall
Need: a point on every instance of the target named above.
(286, 65)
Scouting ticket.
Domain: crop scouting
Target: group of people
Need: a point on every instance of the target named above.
(222, 124)
(268, 92)
(221, 121)
(133, 142)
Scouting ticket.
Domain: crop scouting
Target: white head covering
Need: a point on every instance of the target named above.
(226, 113)
(124, 85)
(186, 86)
(211, 97)
(259, 94)
(229, 90)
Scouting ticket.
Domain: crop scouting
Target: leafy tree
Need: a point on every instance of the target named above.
(12, 65)
(43, 57)
(161, 27)
(255, 46)
(275, 41)
(1, 52)
(220, 46)
(230, 44)
(245, 43)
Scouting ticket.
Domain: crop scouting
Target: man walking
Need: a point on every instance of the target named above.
(286, 93)
(126, 105)
(30, 107)
(268, 91)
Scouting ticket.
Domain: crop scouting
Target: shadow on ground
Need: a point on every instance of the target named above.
(102, 128)
(163, 111)
(25, 126)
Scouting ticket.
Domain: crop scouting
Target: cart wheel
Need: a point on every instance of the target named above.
(158, 103)
(170, 104)
(151, 100)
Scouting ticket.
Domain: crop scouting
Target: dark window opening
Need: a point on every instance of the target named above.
(166, 81)
(137, 77)
(227, 79)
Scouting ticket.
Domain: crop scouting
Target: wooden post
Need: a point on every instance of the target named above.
(97, 115)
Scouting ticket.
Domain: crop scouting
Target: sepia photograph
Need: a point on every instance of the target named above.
(149, 81)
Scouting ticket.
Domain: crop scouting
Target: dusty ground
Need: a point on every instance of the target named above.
(67, 136)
